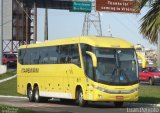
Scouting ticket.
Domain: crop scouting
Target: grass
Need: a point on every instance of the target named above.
(8, 74)
(149, 94)
(9, 109)
(9, 88)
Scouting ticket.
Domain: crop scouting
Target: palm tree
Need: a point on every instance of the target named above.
(151, 21)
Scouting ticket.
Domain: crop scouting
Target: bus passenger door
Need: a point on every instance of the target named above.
(66, 80)
(65, 61)
(89, 71)
(74, 68)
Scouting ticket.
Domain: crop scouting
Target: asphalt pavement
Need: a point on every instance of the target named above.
(59, 107)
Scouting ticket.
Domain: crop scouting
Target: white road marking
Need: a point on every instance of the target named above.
(6, 79)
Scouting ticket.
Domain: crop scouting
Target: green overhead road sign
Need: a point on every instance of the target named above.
(81, 6)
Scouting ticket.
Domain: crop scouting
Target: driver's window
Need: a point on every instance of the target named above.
(87, 60)
(88, 66)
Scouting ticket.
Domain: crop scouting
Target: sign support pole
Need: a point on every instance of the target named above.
(1, 36)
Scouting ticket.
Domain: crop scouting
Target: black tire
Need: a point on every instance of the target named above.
(150, 81)
(30, 94)
(79, 96)
(37, 98)
(118, 104)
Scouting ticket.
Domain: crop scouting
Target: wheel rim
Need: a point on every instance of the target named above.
(80, 98)
(30, 94)
(36, 95)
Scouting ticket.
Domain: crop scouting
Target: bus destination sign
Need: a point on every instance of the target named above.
(127, 6)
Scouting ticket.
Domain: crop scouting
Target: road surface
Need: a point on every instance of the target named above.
(59, 107)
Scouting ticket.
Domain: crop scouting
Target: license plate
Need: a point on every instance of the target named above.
(119, 97)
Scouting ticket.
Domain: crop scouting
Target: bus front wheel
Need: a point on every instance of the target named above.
(81, 102)
(30, 94)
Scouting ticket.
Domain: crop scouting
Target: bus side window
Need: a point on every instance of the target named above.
(26, 58)
(20, 57)
(74, 54)
(43, 55)
(53, 55)
(64, 54)
(46, 56)
(35, 56)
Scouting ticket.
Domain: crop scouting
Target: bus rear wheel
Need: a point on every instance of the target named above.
(81, 102)
(37, 98)
(30, 94)
(118, 104)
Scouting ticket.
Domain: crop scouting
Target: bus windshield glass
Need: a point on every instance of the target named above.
(116, 66)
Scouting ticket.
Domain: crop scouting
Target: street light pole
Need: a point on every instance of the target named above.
(1, 36)
(35, 21)
(46, 25)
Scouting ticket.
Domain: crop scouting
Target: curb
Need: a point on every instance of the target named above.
(146, 104)
(6, 79)
(3, 96)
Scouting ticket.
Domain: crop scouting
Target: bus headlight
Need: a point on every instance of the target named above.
(101, 89)
(134, 90)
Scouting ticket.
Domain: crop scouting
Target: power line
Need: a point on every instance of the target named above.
(126, 27)
(129, 18)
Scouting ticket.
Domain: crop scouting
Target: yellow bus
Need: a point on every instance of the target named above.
(85, 68)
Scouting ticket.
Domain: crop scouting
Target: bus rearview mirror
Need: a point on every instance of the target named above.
(94, 58)
(143, 59)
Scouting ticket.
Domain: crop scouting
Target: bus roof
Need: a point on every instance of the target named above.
(96, 41)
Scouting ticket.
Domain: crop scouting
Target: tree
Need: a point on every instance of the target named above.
(150, 25)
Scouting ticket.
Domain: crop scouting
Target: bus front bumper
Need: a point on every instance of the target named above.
(103, 96)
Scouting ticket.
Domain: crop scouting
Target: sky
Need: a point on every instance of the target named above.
(63, 24)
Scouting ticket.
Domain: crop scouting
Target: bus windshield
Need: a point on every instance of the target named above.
(116, 66)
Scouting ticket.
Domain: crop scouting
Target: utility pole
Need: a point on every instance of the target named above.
(1, 36)
(158, 50)
(46, 25)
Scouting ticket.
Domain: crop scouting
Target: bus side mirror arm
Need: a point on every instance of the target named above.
(94, 58)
